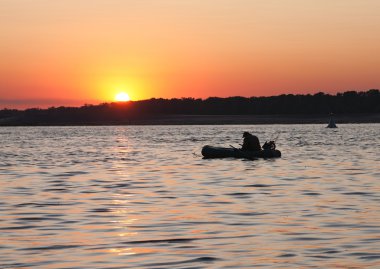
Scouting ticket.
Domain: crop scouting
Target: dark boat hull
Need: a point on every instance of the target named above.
(209, 152)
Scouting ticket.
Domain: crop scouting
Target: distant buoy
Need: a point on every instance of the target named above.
(331, 123)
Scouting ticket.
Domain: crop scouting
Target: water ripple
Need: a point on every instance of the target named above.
(142, 197)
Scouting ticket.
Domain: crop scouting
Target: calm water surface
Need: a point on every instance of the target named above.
(142, 197)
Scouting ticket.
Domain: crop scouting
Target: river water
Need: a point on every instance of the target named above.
(143, 197)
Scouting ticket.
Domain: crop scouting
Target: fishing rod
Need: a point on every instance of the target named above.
(235, 148)
(276, 138)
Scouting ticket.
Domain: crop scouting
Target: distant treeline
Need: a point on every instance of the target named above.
(286, 104)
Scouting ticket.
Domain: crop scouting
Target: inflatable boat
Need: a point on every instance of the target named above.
(209, 152)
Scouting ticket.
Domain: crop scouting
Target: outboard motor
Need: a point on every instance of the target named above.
(271, 145)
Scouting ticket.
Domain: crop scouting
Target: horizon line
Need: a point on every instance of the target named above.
(44, 103)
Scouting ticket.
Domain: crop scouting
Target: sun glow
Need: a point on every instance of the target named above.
(122, 97)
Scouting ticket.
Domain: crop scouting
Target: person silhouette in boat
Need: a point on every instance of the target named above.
(250, 142)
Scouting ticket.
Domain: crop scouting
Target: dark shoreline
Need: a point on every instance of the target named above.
(348, 107)
(212, 120)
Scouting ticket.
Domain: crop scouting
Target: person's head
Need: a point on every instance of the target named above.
(246, 134)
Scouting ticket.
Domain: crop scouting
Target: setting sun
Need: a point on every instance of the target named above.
(122, 97)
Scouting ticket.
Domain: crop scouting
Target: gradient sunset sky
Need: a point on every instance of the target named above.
(71, 52)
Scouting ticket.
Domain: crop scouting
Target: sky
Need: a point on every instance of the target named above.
(74, 52)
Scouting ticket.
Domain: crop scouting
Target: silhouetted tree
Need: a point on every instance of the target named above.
(285, 104)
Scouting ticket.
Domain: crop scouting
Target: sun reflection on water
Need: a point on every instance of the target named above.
(112, 198)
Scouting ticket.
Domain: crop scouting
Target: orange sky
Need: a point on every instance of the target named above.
(85, 51)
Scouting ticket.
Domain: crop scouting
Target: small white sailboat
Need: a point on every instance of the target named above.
(331, 122)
